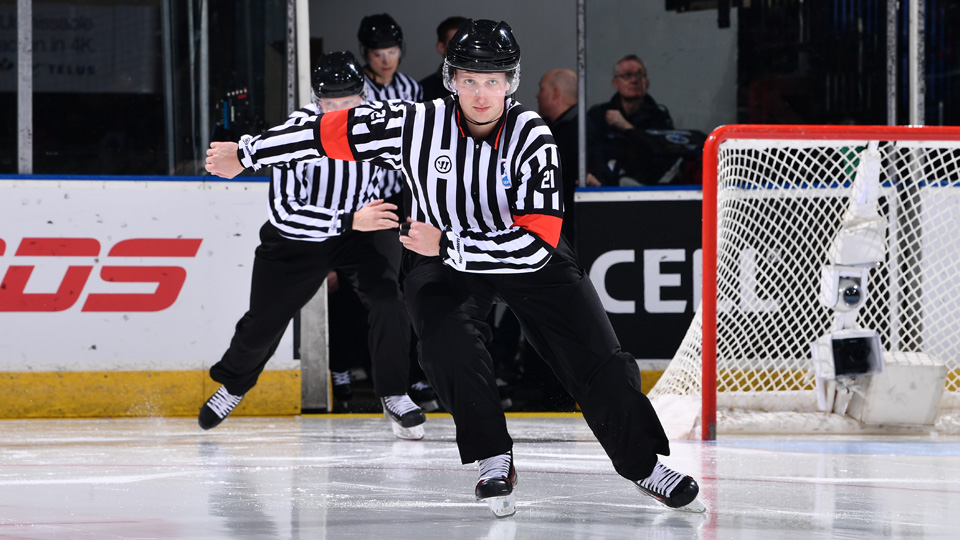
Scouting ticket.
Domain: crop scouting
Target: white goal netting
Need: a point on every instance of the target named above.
(780, 204)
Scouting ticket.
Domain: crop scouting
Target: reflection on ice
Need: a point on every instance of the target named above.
(328, 477)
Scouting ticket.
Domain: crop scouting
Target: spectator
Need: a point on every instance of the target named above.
(619, 149)
(557, 104)
(432, 84)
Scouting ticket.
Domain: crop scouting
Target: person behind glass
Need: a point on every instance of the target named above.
(484, 227)
(324, 214)
(381, 45)
(432, 84)
(557, 104)
(617, 149)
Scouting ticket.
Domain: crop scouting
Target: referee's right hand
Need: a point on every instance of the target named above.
(376, 216)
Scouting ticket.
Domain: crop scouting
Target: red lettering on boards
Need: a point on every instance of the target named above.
(169, 279)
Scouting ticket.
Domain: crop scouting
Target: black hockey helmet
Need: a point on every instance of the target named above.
(379, 32)
(338, 74)
(483, 46)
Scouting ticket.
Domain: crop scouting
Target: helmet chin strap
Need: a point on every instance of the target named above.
(497, 119)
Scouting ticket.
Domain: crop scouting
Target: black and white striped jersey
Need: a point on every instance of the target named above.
(498, 200)
(308, 199)
(401, 88)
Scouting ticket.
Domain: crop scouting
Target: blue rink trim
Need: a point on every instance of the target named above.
(874, 448)
(130, 178)
(665, 187)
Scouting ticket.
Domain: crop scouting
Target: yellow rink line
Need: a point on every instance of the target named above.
(104, 394)
(348, 416)
(98, 394)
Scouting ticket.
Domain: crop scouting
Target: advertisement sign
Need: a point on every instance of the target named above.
(85, 48)
(126, 274)
(643, 257)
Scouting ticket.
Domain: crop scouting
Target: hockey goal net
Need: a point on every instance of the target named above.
(773, 201)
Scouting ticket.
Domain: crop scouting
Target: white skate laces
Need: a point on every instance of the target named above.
(400, 405)
(406, 419)
(420, 385)
(223, 402)
(340, 378)
(218, 407)
(495, 467)
(662, 480)
(495, 485)
(672, 489)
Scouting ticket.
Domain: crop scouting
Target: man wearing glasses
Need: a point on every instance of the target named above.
(619, 150)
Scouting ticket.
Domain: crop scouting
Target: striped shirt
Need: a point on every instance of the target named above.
(498, 201)
(309, 199)
(403, 88)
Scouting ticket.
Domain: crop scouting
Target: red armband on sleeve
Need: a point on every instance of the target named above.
(546, 227)
(333, 135)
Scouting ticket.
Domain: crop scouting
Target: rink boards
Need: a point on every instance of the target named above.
(118, 294)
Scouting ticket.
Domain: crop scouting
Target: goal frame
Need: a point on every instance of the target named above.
(711, 151)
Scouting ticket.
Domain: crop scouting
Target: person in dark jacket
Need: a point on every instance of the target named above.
(619, 149)
(433, 84)
(557, 104)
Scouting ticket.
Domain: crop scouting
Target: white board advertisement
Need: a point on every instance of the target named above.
(126, 274)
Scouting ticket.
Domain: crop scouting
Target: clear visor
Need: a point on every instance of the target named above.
(493, 85)
(463, 82)
(384, 55)
(338, 104)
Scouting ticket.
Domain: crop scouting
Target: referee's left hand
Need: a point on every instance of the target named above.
(376, 216)
(421, 238)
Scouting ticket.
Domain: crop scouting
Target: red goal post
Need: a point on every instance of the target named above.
(810, 163)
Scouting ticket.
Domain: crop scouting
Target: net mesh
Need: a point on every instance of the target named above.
(780, 204)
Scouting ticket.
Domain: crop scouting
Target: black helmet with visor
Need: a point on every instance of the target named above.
(483, 46)
(379, 32)
(338, 74)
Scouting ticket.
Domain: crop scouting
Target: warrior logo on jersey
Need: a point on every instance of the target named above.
(504, 179)
(443, 164)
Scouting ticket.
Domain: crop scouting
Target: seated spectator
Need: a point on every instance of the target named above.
(620, 150)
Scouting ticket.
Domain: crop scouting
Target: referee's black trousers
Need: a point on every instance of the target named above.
(563, 318)
(286, 275)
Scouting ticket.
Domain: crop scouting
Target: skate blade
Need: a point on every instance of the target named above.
(414, 433)
(502, 507)
(694, 507)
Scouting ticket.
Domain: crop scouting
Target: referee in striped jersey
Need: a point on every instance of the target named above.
(381, 44)
(324, 214)
(485, 227)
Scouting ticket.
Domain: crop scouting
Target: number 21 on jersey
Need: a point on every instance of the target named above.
(548, 182)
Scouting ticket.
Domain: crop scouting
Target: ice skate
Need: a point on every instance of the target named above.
(424, 396)
(217, 408)
(495, 487)
(671, 489)
(342, 389)
(406, 419)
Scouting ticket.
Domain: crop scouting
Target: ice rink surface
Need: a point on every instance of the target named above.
(327, 477)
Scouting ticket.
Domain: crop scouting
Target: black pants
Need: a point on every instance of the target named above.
(350, 313)
(564, 320)
(286, 275)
